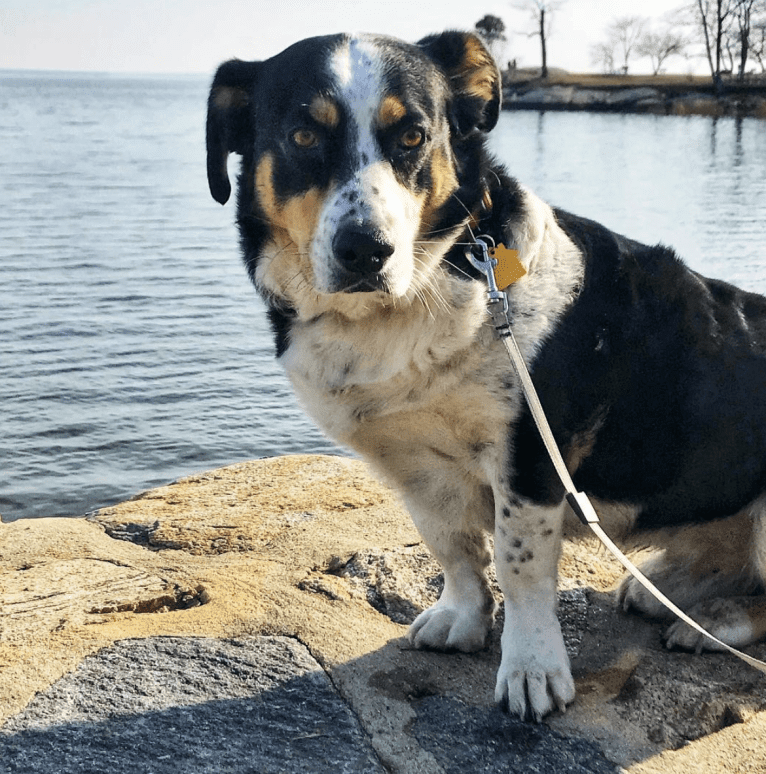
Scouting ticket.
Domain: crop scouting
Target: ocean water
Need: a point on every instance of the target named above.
(133, 349)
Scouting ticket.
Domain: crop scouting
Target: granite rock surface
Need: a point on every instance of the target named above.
(252, 619)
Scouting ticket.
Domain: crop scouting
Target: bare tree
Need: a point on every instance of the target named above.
(624, 33)
(541, 12)
(659, 46)
(745, 12)
(758, 43)
(731, 31)
(714, 20)
(603, 54)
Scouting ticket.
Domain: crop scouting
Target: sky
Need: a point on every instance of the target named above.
(194, 36)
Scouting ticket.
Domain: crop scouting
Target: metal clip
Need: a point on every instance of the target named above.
(497, 300)
(486, 263)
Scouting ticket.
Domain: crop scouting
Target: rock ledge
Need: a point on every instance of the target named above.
(253, 618)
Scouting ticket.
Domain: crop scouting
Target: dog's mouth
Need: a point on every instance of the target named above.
(367, 284)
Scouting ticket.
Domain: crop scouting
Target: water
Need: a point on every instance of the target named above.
(133, 349)
(697, 184)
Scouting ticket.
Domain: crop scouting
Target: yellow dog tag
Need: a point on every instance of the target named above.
(509, 268)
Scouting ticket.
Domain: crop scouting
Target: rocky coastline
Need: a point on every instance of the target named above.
(252, 618)
(640, 95)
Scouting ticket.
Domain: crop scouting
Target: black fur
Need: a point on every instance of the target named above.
(673, 368)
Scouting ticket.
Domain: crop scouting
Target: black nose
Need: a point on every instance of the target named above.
(361, 251)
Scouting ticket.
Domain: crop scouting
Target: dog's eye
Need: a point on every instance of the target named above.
(412, 137)
(305, 138)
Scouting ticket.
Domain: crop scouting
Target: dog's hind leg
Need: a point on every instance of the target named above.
(695, 563)
(736, 620)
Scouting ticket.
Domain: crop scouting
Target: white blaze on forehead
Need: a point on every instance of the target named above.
(358, 68)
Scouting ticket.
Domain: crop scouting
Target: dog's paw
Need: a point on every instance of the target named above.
(451, 627)
(632, 595)
(727, 619)
(534, 676)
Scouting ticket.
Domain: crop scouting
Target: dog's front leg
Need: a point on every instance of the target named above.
(534, 676)
(464, 614)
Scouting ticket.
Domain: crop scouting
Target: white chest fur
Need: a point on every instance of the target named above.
(399, 359)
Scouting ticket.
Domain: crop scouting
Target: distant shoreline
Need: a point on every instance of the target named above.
(656, 95)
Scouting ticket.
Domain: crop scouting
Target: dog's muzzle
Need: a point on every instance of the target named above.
(360, 255)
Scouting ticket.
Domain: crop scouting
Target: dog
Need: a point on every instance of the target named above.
(364, 177)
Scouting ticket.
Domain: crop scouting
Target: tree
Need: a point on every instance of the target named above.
(603, 54)
(492, 30)
(731, 33)
(541, 12)
(624, 33)
(744, 12)
(758, 43)
(659, 46)
(713, 18)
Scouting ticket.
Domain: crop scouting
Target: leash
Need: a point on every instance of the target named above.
(491, 258)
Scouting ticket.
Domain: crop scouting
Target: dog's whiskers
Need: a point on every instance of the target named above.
(470, 215)
(425, 286)
(459, 269)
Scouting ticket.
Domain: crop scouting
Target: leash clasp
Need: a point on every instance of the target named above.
(478, 254)
(480, 259)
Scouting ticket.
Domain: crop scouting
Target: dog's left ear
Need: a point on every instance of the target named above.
(229, 121)
(473, 77)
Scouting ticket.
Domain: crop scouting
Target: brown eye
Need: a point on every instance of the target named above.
(305, 138)
(412, 138)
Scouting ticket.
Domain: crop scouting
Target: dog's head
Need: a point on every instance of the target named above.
(357, 165)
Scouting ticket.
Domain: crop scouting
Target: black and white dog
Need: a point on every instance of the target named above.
(364, 174)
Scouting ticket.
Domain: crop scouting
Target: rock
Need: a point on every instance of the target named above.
(657, 100)
(641, 99)
(623, 98)
(192, 705)
(698, 105)
(253, 618)
(551, 95)
(463, 738)
(586, 99)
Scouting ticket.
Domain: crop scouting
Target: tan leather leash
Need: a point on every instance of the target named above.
(578, 501)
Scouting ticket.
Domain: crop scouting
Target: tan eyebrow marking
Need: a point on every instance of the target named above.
(325, 111)
(391, 110)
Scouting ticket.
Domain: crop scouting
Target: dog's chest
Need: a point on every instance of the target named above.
(432, 382)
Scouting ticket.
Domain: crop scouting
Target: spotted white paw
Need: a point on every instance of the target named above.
(450, 626)
(534, 676)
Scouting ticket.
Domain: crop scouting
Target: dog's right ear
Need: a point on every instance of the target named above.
(229, 121)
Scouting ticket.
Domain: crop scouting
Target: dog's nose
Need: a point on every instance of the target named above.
(361, 251)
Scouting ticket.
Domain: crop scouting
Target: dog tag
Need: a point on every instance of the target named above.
(509, 268)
